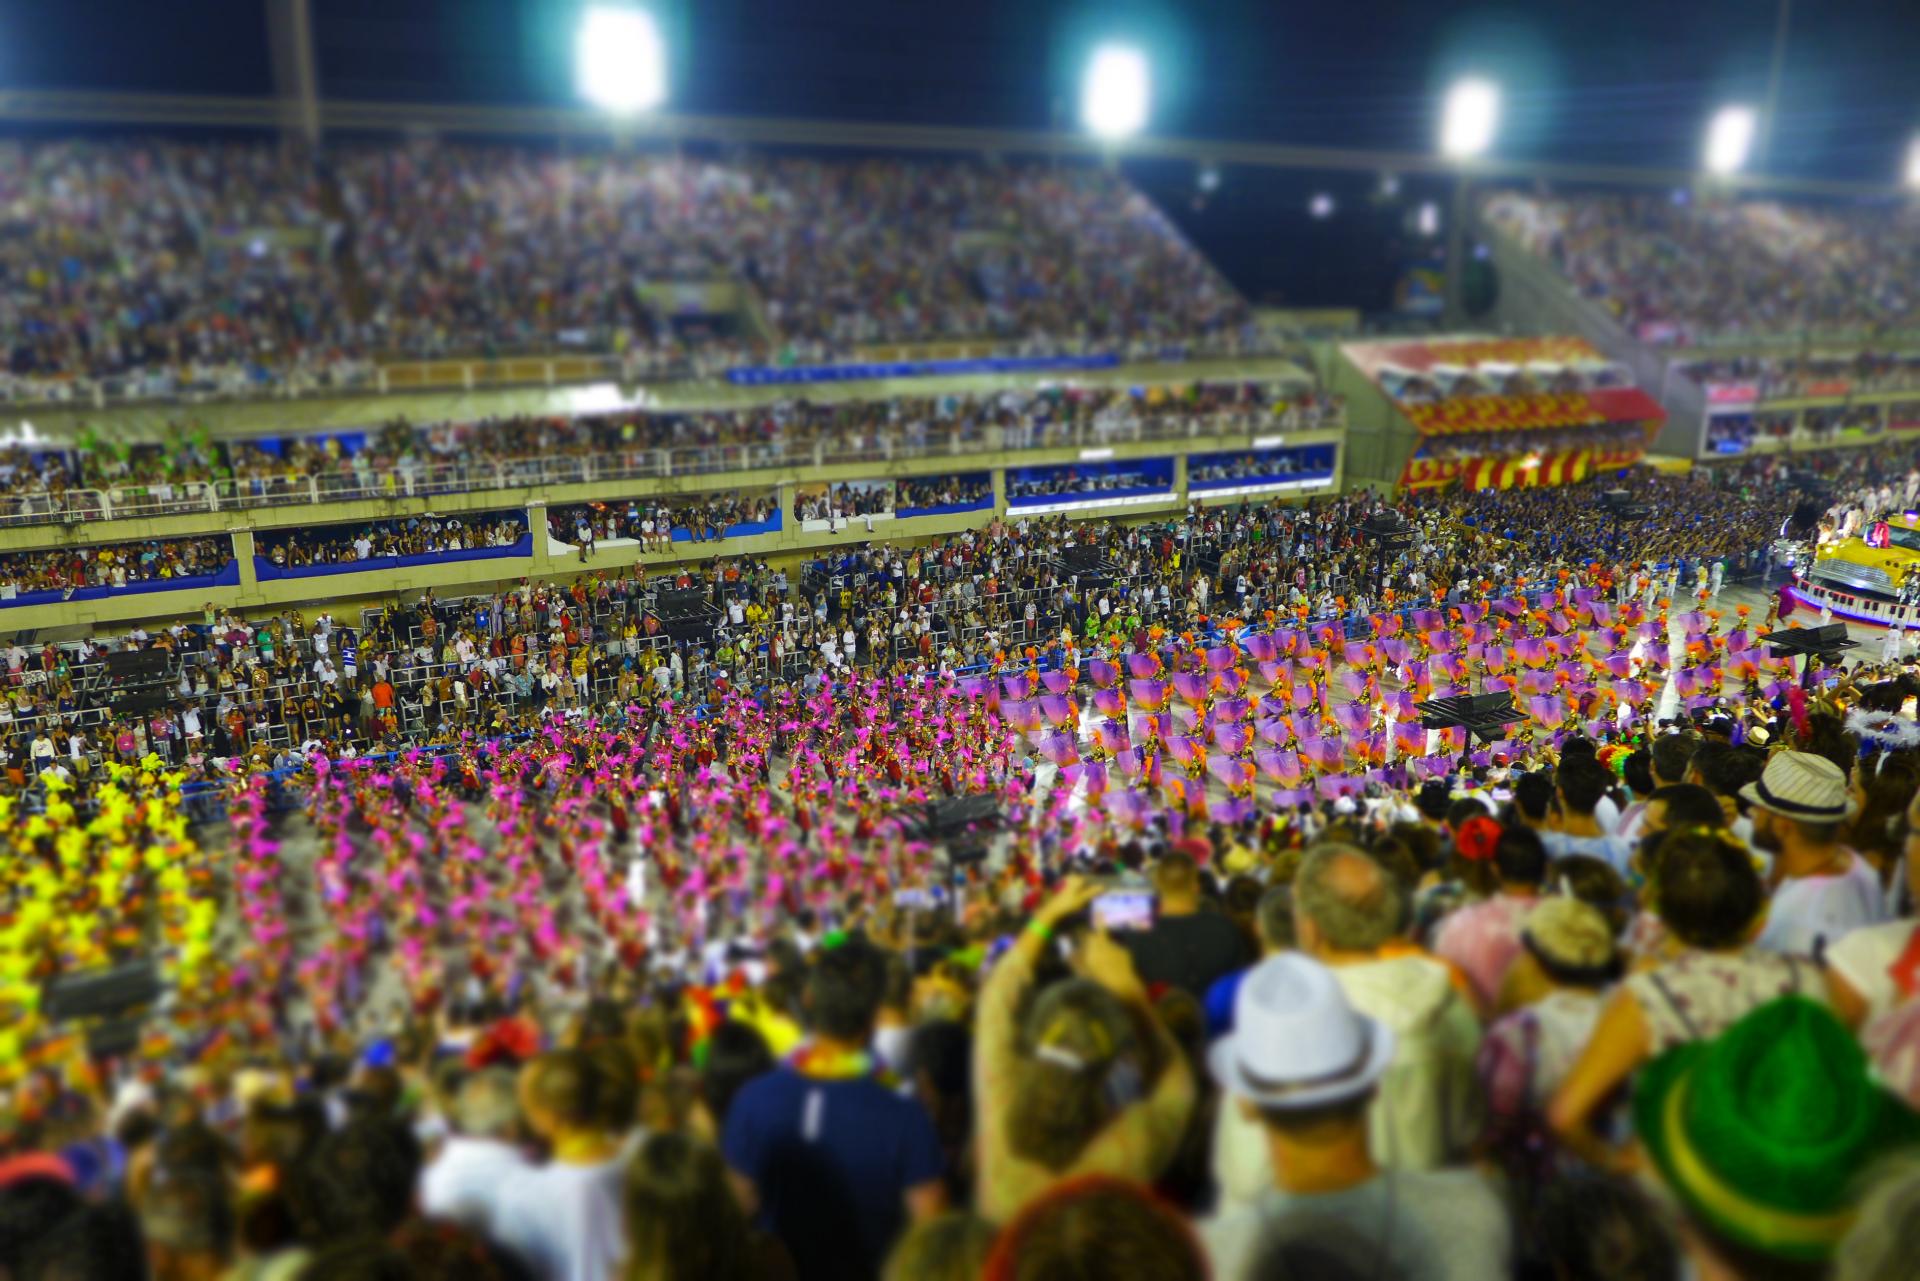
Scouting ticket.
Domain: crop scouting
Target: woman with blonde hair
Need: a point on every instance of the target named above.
(684, 1222)
(1068, 1091)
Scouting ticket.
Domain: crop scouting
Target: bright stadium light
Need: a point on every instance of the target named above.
(1913, 164)
(1729, 139)
(1468, 118)
(1427, 222)
(1113, 99)
(1322, 205)
(620, 63)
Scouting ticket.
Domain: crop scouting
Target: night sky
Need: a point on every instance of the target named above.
(1619, 81)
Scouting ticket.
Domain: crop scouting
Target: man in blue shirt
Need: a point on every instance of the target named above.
(1580, 784)
(834, 1160)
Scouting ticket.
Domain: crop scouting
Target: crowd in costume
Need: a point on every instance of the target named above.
(1244, 971)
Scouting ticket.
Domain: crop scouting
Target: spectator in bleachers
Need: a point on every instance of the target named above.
(410, 536)
(113, 565)
(1678, 270)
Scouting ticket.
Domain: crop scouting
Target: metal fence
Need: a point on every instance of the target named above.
(482, 474)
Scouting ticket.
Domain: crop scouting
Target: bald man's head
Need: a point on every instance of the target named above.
(1345, 901)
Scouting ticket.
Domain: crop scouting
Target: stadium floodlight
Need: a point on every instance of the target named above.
(1913, 164)
(1322, 205)
(1113, 98)
(619, 60)
(1468, 118)
(1729, 139)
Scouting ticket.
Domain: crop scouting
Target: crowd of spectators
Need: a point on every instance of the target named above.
(112, 565)
(204, 263)
(1087, 478)
(407, 536)
(941, 491)
(1691, 521)
(1430, 386)
(1679, 271)
(1261, 465)
(643, 974)
(1789, 377)
(652, 522)
(1603, 438)
(403, 458)
(845, 501)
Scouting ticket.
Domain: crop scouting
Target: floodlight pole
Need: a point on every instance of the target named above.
(1456, 307)
(1782, 22)
(296, 83)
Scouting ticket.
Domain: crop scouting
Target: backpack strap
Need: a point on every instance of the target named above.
(1679, 1011)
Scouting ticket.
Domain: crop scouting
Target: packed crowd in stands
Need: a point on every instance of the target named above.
(563, 934)
(651, 522)
(113, 564)
(582, 953)
(405, 459)
(177, 264)
(1787, 377)
(1262, 465)
(1680, 271)
(1606, 437)
(942, 491)
(1693, 521)
(1430, 386)
(847, 500)
(1874, 480)
(406, 536)
(1087, 478)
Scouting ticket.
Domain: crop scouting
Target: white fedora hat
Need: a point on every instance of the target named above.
(1804, 786)
(1296, 1042)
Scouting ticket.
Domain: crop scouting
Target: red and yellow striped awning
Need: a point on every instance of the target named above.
(1532, 413)
(1516, 471)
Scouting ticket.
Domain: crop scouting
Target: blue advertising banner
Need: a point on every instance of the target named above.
(773, 375)
(227, 577)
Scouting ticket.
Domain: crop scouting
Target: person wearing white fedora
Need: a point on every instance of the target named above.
(1304, 1064)
(1822, 889)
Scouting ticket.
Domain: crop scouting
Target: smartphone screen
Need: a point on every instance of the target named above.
(1124, 910)
(913, 899)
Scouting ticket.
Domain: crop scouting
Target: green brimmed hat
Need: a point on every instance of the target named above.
(1763, 1131)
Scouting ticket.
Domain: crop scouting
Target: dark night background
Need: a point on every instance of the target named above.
(1621, 82)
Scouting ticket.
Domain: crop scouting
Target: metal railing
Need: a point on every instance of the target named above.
(539, 364)
(482, 474)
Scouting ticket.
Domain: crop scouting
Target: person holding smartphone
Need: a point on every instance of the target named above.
(1188, 946)
(1083, 1079)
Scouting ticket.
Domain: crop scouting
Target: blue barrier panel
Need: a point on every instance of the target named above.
(1302, 478)
(745, 529)
(944, 509)
(768, 375)
(227, 577)
(1090, 497)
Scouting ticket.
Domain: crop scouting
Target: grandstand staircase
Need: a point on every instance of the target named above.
(1535, 299)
